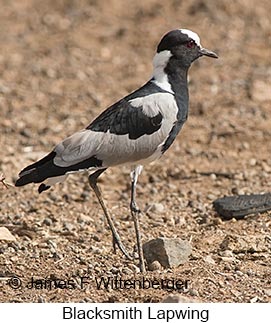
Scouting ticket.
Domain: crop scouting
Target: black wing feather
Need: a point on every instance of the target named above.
(123, 118)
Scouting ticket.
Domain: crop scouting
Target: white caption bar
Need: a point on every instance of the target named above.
(116, 312)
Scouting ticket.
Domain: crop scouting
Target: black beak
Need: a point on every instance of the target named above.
(206, 52)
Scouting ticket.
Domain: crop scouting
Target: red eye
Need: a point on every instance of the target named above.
(190, 44)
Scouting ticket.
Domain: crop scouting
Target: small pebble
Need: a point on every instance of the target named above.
(209, 260)
(114, 270)
(213, 177)
(127, 271)
(135, 268)
(95, 250)
(157, 207)
(154, 266)
(172, 298)
(227, 267)
(211, 197)
(193, 292)
(41, 299)
(254, 299)
(47, 221)
(226, 253)
(6, 235)
(153, 190)
(267, 292)
(227, 259)
(239, 273)
(252, 162)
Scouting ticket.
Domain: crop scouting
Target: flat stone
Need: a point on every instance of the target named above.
(175, 298)
(238, 206)
(6, 235)
(169, 252)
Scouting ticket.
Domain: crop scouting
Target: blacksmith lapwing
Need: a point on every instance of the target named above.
(136, 130)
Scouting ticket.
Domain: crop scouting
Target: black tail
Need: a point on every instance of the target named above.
(39, 171)
(45, 168)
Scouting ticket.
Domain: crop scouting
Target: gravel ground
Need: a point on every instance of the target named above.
(61, 63)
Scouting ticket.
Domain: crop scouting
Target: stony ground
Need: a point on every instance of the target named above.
(61, 63)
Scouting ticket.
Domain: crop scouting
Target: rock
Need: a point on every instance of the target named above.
(227, 259)
(155, 265)
(193, 292)
(267, 292)
(114, 270)
(254, 299)
(134, 268)
(169, 252)
(6, 235)
(253, 162)
(127, 271)
(47, 221)
(211, 197)
(226, 253)
(175, 298)
(209, 260)
(157, 207)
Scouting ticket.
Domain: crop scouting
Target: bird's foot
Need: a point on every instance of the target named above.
(116, 242)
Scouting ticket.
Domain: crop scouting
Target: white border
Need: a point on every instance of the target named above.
(217, 313)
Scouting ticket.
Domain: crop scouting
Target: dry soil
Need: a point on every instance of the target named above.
(61, 63)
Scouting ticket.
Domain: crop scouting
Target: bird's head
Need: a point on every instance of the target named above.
(183, 45)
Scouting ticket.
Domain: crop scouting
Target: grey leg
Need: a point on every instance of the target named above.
(134, 212)
(116, 238)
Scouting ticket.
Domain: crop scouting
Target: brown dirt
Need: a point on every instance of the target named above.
(63, 62)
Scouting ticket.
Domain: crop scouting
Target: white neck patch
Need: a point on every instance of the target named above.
(160, 61)
(192, 35)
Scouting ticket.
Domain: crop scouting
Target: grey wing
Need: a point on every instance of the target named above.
(126, 132)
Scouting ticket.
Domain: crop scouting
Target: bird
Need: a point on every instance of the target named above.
(135, 131)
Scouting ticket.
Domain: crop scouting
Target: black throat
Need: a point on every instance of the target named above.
(177, 77)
